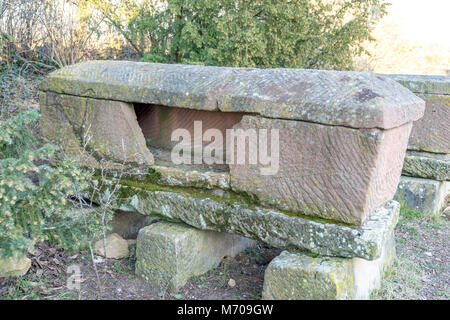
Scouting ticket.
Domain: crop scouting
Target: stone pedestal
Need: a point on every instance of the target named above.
(424, 195)
(425, 182)
(299, 276)
(168, 254)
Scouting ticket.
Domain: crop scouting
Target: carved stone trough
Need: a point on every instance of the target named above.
(341, 138)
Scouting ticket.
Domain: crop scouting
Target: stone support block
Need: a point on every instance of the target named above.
(424, 195)
(298, 276)
(14, 266)
(168, 254)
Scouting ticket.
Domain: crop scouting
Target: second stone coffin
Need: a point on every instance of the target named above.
(332, 172)
(431, 133)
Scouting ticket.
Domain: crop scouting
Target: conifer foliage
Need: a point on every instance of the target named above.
(34, 195)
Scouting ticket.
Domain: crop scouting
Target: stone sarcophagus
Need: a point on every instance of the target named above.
(329, 145)
(299, 159)
(342, 135)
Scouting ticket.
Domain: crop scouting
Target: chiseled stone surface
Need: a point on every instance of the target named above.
(56, 127)
(424, 195)
(110, 127)
(331, 172)
(14, 266)
(355, 99)
(297, 276)
(168, 254)
(269, 226)
(432, 132)
(427, 165)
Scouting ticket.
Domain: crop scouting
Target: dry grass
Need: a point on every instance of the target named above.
(18, 92)
(402, 282)
(421, 271)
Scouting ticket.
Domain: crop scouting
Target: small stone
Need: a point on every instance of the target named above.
(13, 267)
(98, 259)
(116, 247)
(428, 254)
(232, 283)
(227, 260)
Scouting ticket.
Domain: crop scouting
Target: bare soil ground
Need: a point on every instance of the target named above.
(48, 277)
(421, 272)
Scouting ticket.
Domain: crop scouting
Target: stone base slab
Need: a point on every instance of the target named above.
(427, 165)
(298, 276)
(168, 254)
(424, 195)
(275, 228)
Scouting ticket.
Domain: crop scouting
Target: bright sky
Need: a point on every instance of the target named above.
(422, 20)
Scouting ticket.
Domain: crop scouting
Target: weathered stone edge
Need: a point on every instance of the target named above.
(268, 226)
(423, 83)
(424, 195)
(177, 177)
(427, 166)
